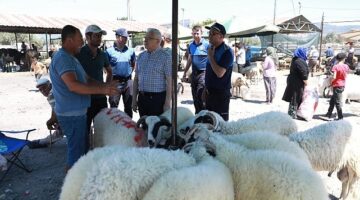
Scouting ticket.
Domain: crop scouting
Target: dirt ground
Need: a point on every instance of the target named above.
(23, 107)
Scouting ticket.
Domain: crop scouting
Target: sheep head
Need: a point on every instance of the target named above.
(199, 135)
(157, 130)
(209, 117)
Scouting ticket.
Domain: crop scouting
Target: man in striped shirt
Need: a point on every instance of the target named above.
(152, 82)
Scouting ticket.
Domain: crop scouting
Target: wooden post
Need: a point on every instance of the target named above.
(174, 70)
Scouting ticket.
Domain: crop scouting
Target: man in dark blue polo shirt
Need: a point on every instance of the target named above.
(122, 61)
(197, 58)
(218, 72)
(94, 61)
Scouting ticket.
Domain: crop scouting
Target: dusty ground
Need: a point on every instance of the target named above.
(23, 107)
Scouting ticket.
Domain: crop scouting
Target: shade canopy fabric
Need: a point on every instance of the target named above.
(263, 30)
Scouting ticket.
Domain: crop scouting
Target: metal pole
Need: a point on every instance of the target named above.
(174, 70)
(29, 42)
(16, 40)
(272, 36)
(321, 36)
(47, 45)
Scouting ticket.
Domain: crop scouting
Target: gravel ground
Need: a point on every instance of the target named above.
(23, 107)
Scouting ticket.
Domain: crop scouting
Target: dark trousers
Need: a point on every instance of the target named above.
(93, 110)
(125, 93)
(197, 88)
(335, 101)
(270, 87)
(218, 101)
(151, 103)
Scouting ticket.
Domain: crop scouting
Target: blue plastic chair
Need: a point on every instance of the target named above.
(11, 148)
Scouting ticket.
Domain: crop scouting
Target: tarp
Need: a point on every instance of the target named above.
(263, 30)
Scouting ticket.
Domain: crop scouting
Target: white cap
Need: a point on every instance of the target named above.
(42, 81)
(94, 29)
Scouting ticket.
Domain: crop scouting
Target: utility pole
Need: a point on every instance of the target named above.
(183, 14)
(274, 12)
(129, 10)
(321, 36)
(299, 8)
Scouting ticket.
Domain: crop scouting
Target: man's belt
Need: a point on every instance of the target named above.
(121, 79)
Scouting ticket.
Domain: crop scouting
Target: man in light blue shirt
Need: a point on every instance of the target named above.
(122, 61)
(72, 90)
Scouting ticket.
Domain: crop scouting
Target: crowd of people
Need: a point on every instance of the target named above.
(78, 91)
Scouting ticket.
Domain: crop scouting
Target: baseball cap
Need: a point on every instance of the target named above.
(94, 29)
(122, 32)
(42, 81)
(217, 27)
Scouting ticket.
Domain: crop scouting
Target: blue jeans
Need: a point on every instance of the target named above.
(75, 130)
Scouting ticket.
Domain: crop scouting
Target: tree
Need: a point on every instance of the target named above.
(9, 39)
(333, 38)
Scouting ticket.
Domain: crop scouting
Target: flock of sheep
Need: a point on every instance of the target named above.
(259, 158)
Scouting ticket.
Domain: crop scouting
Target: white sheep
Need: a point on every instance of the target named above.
(238, 84)
(158, 128)
(267, 140)
(76, 176)
(332, 146)
(264, 174)
(130, 173)
(275, 122)
(208, 179)
(114, 127)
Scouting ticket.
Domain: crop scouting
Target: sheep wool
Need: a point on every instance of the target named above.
(77, 174)
(209, 179)
(276, 122)
(183, 114)
(114, 127)
(267, 140)
(130, 174)
(266, 174)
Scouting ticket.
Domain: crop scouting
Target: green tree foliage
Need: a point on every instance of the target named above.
(333, 38)
(9, 39)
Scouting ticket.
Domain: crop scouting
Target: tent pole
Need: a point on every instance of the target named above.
(16, 40)
(174, 70)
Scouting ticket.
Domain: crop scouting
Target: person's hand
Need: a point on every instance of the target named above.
(166, 106)
(51, 124)
(211, 51)
(203, 97)
(134, 105)
(111, 88)
(183, 79)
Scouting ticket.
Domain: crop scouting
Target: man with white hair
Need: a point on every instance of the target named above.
(45, 88)
(152, 82)
(313, 59)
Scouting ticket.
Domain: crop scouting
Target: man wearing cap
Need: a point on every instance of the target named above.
(94, 61)
(218, 72)
(197, 59)
(45, 88)
(122, 60)
(152, 82)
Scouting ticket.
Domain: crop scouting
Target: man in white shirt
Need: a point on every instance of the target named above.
(313, 59)
(240, 57)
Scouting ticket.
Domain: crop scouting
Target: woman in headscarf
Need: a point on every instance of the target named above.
(296, 81)
(269, 67)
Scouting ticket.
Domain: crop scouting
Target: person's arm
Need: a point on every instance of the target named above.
(76, 86)
(52, 122)
(218, 70)
(108, 71)
(135, 93)
(188, 64)
(133, 61)
(167, 103)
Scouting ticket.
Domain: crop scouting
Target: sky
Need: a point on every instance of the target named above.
(159, 11)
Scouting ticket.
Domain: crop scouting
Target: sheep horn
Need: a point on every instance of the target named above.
(141, 121)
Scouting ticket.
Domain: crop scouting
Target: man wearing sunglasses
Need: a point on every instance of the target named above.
(218, 72)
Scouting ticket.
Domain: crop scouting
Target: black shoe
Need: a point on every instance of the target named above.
(36, 144)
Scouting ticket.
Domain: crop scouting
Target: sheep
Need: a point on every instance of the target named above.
(267, 140)
(253, 73)
(208, 179)
(276, 122)
(113, 127)
(263, 174)
(237, 81)
(330, 147)
(130, 174)
(351, 91)
(158, 128)
(76, 176)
